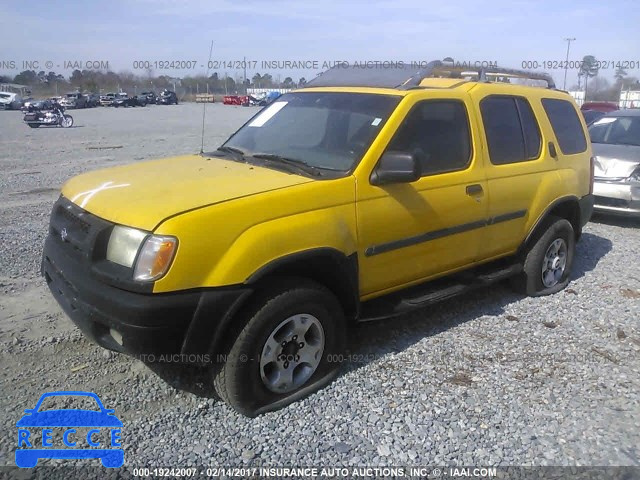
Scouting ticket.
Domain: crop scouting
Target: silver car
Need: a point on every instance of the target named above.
(616, 146)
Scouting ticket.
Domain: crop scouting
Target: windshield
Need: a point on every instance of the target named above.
(328, 131)
(616, 131)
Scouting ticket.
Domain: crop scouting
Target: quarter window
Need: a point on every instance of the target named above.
(511, 128)
(566, 125)
(530, 129)
(437, 132)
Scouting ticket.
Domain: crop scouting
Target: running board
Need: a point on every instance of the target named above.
(428, 293)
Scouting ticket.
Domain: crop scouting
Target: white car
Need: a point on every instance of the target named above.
(10, 101)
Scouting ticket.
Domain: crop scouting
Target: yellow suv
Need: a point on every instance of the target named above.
(364, 195)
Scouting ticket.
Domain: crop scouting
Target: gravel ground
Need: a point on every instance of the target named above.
(489, 379)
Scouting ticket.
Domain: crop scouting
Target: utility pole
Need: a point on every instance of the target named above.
(244, 80)
(566, 65)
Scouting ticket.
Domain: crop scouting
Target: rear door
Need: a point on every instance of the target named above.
(518, 166)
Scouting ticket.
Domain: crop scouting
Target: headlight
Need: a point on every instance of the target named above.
(149, 255)
(123, 245)
(155, 257)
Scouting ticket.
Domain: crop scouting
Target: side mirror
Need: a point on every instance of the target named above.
(396, 167)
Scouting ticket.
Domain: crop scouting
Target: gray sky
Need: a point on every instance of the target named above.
(123, 32)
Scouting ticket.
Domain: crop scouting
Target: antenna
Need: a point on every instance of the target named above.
(204, 106)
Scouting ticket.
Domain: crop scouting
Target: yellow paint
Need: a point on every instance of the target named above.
(231, 218)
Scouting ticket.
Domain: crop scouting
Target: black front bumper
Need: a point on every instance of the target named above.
(191, 323)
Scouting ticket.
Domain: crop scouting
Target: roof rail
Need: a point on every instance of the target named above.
(406, 76)
(439, 68)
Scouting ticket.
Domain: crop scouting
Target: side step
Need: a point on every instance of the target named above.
(425, 294)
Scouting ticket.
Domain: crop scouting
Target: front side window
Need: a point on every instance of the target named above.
(329, 131)
(437, 132)
(566, 125)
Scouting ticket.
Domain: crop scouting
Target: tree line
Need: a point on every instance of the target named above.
(95, 81)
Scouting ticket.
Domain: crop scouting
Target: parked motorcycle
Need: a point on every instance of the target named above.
(56, 116)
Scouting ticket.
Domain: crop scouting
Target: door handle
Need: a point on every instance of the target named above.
(475, 189)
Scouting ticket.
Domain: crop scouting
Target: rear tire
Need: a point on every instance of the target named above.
(289, 347)
(33, 125)
(548, 261)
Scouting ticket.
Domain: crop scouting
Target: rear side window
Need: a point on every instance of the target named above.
(512, 131)
(566, 125)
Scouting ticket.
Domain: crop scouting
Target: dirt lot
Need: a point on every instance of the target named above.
(490, 379)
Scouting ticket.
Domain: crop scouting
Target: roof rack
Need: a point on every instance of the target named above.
(405, 76)
(438, 68)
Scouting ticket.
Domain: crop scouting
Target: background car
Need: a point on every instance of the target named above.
(37, 105)
(124, 100)
(151, 96)
(141, 100)
(93, 99)
(26, 102)
(10, 101)
(74, 100)
(605, 107)
(616, 145)
(167, 97)
(107, 99)
(591, 116)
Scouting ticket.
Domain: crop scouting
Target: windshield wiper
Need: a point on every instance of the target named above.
(239, 154)
(293, 162)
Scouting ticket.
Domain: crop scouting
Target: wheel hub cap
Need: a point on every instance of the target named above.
(292, 353)
(554, 263)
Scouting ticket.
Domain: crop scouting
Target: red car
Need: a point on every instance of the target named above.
(605, 107)
(235, 99)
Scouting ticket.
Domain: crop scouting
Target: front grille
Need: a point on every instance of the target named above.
(74, 220)
(75, 229)
(611, 202)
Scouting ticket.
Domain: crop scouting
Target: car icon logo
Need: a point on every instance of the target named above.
(64, 234)
(60, 433)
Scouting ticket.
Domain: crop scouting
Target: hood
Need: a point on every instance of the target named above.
(615, 161)
(144, 194)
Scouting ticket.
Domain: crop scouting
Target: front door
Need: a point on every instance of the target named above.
(410, 232)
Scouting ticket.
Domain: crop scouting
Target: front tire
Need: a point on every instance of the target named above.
(289, 347)
(66, 121)
(548, 262)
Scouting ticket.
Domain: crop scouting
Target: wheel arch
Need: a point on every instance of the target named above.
(327, 266)
(565, 207)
